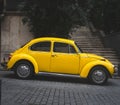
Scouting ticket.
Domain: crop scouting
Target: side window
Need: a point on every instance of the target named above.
(63, 48)
(41, 46)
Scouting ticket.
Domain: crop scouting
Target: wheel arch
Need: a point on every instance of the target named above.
(88, 67)
(106, 70)
(23, 57)
(23, 60)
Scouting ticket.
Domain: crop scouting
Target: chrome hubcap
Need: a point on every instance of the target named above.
(23, 70)
(98, 76)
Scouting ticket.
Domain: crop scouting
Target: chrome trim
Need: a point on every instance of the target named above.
(115, 68)
(59, 74)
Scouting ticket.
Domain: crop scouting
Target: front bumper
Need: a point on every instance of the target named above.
(116, 70)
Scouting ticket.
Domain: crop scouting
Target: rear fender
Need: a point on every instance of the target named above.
(19, 57)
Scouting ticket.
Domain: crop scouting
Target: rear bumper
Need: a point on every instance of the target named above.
(4, 65)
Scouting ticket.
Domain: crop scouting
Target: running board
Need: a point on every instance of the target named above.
(58, 74)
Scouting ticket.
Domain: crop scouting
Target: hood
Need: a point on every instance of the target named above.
(95, 56)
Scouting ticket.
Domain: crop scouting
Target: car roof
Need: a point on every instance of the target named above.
(52, 39)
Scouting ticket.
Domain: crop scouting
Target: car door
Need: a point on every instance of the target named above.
(41, 52)
(64, 59)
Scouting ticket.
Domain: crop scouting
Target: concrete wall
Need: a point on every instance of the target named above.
(13, 35)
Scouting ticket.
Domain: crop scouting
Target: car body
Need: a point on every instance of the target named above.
(61, 56)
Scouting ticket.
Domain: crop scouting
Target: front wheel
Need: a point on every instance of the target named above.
(98, 75)
(24, 69)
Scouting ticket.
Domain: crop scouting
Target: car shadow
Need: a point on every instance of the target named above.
(54, 78)
(65, 79)
(49, 78)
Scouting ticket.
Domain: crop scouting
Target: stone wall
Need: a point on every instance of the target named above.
(13, 35)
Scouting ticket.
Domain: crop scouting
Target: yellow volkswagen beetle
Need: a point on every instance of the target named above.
(59, 56)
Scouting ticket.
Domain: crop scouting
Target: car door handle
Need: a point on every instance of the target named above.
(54, 55)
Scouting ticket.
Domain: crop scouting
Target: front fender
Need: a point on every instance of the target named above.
(87, 68)
(19, 57)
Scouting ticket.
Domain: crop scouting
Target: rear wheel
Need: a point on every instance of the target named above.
(98, 75)
(24, 69)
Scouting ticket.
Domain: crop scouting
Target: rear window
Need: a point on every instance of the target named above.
(41, 46)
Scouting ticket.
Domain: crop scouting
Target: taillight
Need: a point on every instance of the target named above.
(9, 57)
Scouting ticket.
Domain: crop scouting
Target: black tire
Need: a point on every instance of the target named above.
(24, 69)
(98, 75)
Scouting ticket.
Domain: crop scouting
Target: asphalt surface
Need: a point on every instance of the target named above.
(57, 90)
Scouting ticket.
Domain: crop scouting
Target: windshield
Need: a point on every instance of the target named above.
(80, 50)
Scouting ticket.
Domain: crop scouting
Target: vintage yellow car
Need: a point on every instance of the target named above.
(59, 56)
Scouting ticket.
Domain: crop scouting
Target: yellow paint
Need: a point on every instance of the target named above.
(70, 63)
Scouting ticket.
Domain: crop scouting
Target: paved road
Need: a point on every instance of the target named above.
(52, 90)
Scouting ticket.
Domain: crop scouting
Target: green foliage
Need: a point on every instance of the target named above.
(105, 15)
(57, 17)
(53, 17)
